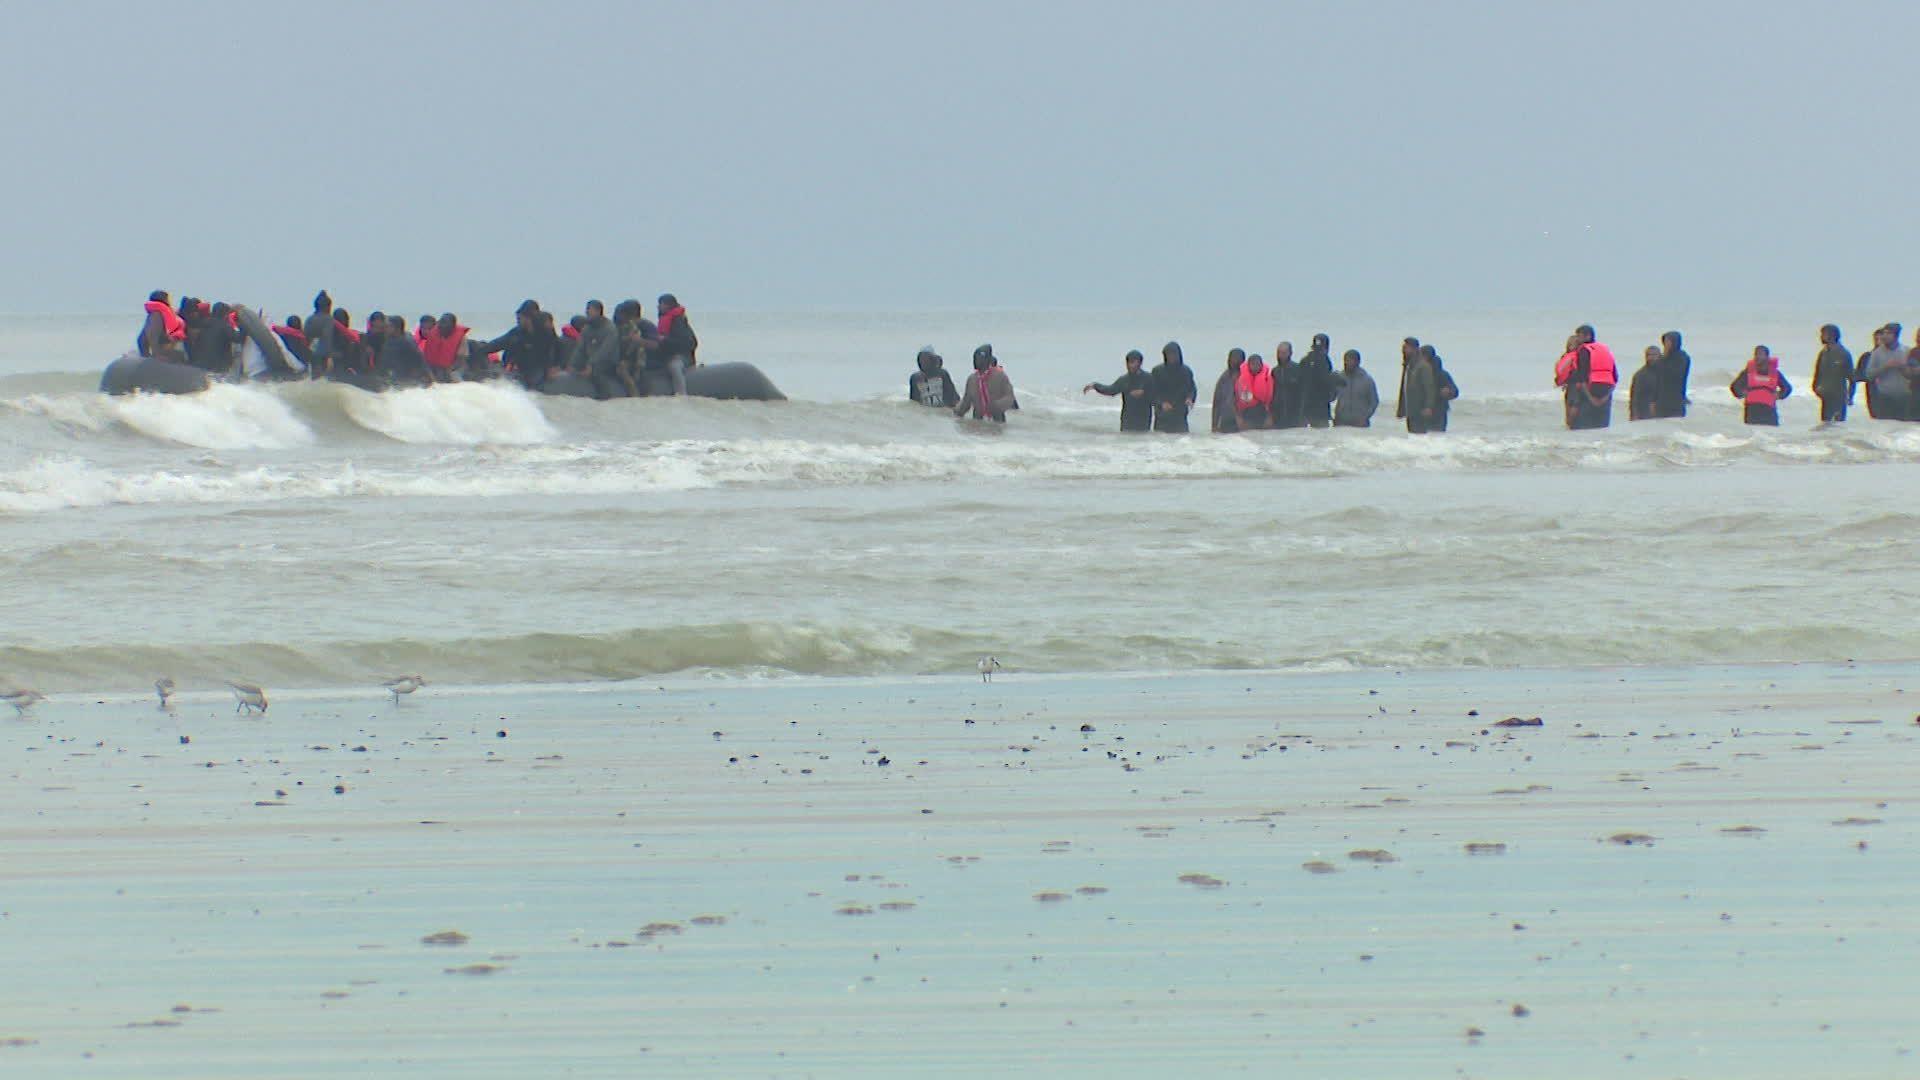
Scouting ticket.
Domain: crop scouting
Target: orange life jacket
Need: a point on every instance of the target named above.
(1600, 369)
(1252, 388)
(170, 319)
(1763, 388)
(1563, 368)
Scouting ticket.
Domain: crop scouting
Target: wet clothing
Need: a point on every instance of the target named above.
(1446, 391)
(442, 351)
(1357, 400)
(211, 345)
(1833, 382)
(530, 353)
(934, 389)
(1289, 394)
(1643, 394)
(1588, 406)
(1890, 395)
(401, 362)
(295, 342)
(163, 334)
(987, 395)
(350, 353)
(1422, 396)
(598, 354)
(1173, 389)
(1135, 391)
(1319, 383)
(1225, 420)
(1761, 403)
(1676, 368)
(1253, 397)
(676, 339)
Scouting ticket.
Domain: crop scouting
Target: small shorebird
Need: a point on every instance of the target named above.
(405, 684)
(248, 697)
(23, 699)
(164, 687)
(987, 666)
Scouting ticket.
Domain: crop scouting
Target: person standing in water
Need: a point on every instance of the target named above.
(1319, 383)
(988, 394)
(1409, 352)
(1761, 388)
(1587, 373)
(1358, 397)
(1174, 391)
(1421, 395)
(1253, 393)
(1643, 395)
(1676, 368)
(1889, 392)
(1832, 376)
(1134, 388)
(1226, 420)
(1445, 389)
(931, 386)
(1289, 389)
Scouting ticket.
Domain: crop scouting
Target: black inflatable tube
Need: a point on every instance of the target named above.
(726, 382)
(133, 373)
(270, 347)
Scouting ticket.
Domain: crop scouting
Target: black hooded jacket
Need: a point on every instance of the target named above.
(1173, 390)
(932, 386)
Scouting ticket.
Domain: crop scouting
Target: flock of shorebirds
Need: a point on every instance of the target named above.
(247, 697)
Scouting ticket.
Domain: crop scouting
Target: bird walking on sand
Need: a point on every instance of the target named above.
(987, 666)
(22, 699)
(164, 687)
(248, 697)
(405, 684)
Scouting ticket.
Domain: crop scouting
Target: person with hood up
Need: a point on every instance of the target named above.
(1174, 391)
(1289, 389)
(1889, 391)
(989, 392)
(1421, 396)
(677, 350)
(1253, 395)
(163, 334)
(1134, 388)
(931, 385)
(599, 352)
(1832, 376)
(1226, 420)
(1358, 397)
(319, 328)
(1445, 389)
(1761, 388)
(1643, 394)
(1318, 382)
(212, 345)
(1676, 367)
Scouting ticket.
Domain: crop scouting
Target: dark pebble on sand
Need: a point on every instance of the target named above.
(884, 761)
(339, 789)
(1521, 1011)
(501, 734)
(1514, 721)
(185, 739)
(1086, 727)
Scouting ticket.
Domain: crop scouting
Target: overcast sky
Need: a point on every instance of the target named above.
(911, 155)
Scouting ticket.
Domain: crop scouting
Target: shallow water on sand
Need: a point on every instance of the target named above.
(288, 927)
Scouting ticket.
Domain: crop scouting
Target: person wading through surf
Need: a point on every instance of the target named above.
(1173, 390)
(1134, 388)
(1761, 388)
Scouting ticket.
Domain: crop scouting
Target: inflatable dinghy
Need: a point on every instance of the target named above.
(726, 382)
(134, 373)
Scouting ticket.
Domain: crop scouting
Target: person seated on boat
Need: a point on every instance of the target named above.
(931, 385)
(293, 335)
(598, 355)
(427, 325)
(400, 361)
(212, 345)
(443, 342)
(677, 350)
(570, 359)
(630, 320)
(350, 353)
(529, 350)
(164, 334)
(374, 337)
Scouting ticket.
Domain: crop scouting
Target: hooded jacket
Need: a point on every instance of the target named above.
(1356, 401)
(1173, 390)
(932, 386)
(1225, 420)
(988, 395)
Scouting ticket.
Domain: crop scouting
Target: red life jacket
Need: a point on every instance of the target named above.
(440, 349)
(1563, 368)
(1600, 369)
(669, 317)
(1763, 388)
(289, 335)
(1252, 388)
(176, 327)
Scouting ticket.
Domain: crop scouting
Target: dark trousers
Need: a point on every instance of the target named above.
(1833, 408)
(1763, 415)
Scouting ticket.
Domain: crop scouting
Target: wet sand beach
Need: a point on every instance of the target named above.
(1689, 872)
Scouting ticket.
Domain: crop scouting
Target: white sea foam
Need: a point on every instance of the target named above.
(223, 417)
(463, 413)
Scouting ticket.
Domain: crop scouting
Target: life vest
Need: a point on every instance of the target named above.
(1252, 388)
(1763, 388)
(1600, 369)
(176, 327)
(1563, 367)
(440, 350)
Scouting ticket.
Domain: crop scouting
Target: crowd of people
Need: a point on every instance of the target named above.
(614, 353)
(1252, 394)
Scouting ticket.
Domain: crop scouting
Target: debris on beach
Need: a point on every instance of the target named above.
(1372, 855)
(1050, 897)
(1515, 721)
(1631, 839)
(1521, 1011)
(708, 920)
(474, 969)
(1203, 881)
(1318, 866)
(654, 929)
(1486, 847)
(1860, 821)
(445, 937)
(18, 1041)
(1743, 830)
(1091, 890)
(852, 909)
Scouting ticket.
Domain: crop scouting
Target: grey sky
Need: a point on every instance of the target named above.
(869, 155)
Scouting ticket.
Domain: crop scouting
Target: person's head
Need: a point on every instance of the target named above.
(667, 302)
(293, 322)
(396, 324)
(1350, 362)
(1586, 334)
(1283, 352)
(322, 302)
(1134, 361)
(1671, 339)
(1409, 348)
(341, 316)
(596, 310)
(1573, 343)
(377, 323)
(1829, 335)
(927, 360)
(447, 323)
(1431, 357)
(160, 296)
(1255, 364)
(1170, 353)
(627, 311)
(1653, 355)
(1762, 356)
(983, 358)
(1321, 342)
(427, 322)
(220, 310)
(578, 322)
(1235, 358)
(545, 319)
(527, 307)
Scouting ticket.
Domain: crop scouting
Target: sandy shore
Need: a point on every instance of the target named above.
(1687, 873)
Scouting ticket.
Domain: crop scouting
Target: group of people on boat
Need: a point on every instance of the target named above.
(1588, 376)
(614, 353)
